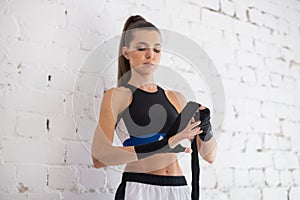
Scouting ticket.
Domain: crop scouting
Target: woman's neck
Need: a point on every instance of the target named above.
(146, 83)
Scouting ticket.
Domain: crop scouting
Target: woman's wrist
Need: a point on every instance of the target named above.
(174, 141)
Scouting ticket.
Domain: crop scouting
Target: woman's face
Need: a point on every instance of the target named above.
(144, 51)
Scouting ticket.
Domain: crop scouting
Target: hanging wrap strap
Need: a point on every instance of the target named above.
(180, 123)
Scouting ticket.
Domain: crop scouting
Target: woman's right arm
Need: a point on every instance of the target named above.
(103, 152)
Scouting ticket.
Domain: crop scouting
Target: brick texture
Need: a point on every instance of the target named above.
(47, 119)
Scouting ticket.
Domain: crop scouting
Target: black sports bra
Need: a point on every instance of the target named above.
(147, 118)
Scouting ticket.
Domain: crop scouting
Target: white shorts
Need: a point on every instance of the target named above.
(139, 186)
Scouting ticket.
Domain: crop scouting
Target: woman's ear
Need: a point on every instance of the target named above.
(125, 52)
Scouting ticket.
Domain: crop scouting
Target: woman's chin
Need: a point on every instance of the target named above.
(146, 68)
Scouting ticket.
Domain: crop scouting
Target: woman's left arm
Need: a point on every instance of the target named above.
(208, 149)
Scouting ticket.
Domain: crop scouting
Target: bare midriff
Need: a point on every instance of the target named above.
(159, 164)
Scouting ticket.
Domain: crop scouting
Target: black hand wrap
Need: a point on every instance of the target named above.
(162, 146)
(204, 117)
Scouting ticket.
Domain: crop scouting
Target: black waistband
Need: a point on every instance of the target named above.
(154, 179)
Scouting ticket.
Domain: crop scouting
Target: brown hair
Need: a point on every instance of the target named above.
(133, 22)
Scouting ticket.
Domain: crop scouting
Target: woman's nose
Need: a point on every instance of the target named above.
(149, 53)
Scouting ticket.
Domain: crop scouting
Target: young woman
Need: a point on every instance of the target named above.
(142, 112)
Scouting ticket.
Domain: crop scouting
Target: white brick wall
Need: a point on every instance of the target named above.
(62, 177)
(45, 149)
(32, 176)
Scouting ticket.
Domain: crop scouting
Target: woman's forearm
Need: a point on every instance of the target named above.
(105, 154)
(207, 150)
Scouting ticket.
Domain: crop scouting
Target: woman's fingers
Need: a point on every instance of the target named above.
(193, 125)
(201, 108)
(188, 150)
(191, 131)
(192, 120)
(195, 132)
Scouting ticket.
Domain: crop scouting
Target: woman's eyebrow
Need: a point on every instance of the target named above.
(144, 43)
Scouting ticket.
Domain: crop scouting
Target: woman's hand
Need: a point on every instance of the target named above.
(188, 133)
(204, 116)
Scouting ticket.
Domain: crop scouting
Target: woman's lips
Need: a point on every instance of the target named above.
(148, 64)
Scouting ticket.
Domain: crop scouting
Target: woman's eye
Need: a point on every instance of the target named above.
(156, 50)
(143, 49)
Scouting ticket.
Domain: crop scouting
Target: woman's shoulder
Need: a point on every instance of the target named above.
(175, 94)
(118, 91)
(118, 97)
(176, 97)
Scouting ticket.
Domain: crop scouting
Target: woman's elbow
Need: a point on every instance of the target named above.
(211, 157)
(97, 163)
